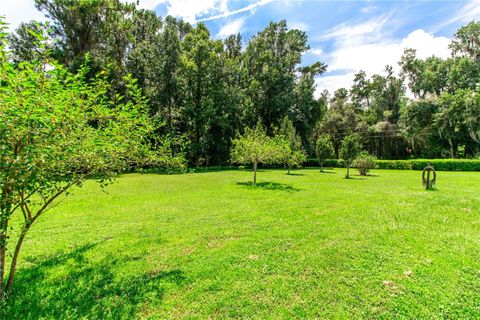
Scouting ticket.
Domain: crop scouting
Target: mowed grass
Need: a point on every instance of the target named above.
(209, 245)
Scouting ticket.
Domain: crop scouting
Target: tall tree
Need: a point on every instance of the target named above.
(199, 56)
(271, 59)
(98, 28)
(466, 41)
(307, 110)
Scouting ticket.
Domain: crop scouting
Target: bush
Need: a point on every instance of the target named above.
(364, 163)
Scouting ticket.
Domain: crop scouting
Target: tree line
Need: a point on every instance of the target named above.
(207, 91)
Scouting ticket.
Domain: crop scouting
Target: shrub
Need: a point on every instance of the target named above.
(364, 163)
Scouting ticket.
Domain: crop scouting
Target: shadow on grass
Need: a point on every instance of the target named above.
(268, 186)
(73, 286)
(326, 171)
(358, 177)
(294, 174)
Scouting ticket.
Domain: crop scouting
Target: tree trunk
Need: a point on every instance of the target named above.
(452, 149)
(13, 265)
(3, 250)
(254, 173)
(348, 172)
(321, 167)
(289, 167)
(5, 210)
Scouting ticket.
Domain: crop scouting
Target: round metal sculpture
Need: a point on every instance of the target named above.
(429, 177)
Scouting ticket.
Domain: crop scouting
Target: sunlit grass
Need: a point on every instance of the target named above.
(211, 245)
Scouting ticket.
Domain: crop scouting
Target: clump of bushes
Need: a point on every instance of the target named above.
(364, 163)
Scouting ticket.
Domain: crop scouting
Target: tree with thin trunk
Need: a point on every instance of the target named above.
(56, 131)
(255, 147)
(349, 150)
(324, 149)
(290, 142)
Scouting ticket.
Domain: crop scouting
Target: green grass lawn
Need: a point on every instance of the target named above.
(209, 245)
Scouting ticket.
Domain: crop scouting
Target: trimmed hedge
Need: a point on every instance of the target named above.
(329, 163)
(413, 164)
(438, 164)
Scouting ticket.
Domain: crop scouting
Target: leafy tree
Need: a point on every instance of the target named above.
(270, 59)
(364, 163)
(466, 41)
(324, 149)
(349, 150)
(306, 110)
(472, 114)
(254, 147)
(449, 120)
(293, 154)
(58, 130)
(361, 91)
(23, 42)
(339, 120)
(101, 29)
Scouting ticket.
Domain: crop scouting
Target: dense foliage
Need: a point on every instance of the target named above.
(207, 89)
(57, 130)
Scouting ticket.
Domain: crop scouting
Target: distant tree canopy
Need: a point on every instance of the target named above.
(206, 89)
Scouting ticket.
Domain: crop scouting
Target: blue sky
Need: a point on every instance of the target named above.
(347, 35)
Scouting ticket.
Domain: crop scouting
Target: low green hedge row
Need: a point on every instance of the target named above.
(330, 163)
(438, 164)
(413, 164)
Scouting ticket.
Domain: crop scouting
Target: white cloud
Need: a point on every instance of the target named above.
(147, 4)
(368, 9)
(298, 25)
(232, 27)
(332, 83)
(315, 51)
(202, 10)
(225, 14)
(361, 32)
(370, 47)
(190, 9)
(19, 11)
(470, 11)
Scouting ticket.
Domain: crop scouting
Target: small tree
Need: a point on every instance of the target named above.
(349, 150)
(56, 131)
(324, 149)
(292, 153)
(364, 163)
(254, 147)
